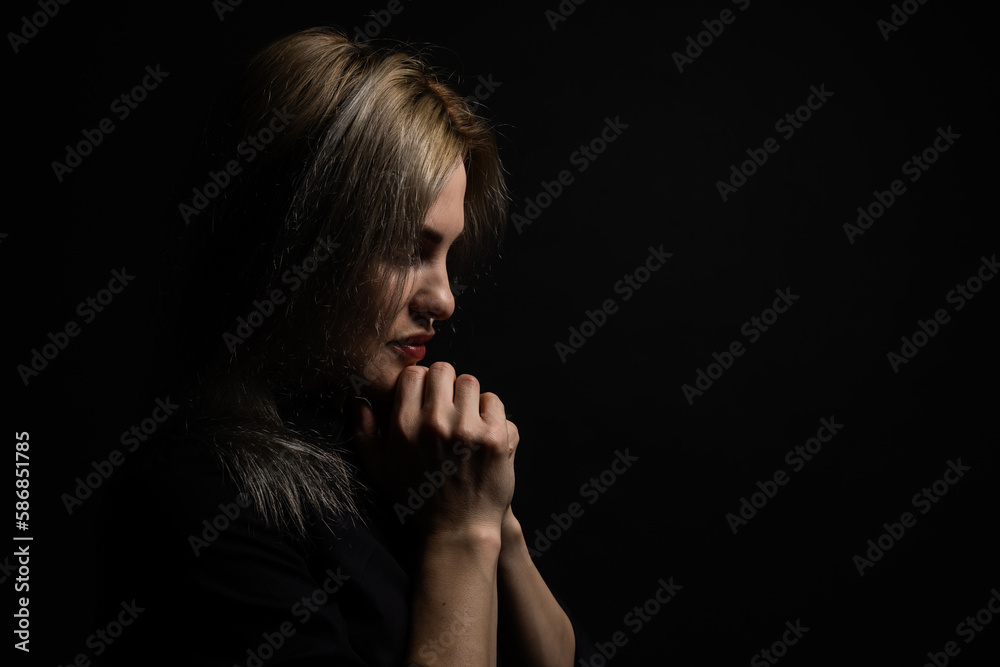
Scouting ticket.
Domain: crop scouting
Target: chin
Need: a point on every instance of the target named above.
(383, 374)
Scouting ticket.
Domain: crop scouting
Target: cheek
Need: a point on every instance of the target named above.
(395, 294)
(382, 373)
(384, 364)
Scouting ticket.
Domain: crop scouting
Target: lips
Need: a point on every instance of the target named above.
(412, 347)
(410, 351)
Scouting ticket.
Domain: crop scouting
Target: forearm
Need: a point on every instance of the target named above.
(534, 629)
(454, 610)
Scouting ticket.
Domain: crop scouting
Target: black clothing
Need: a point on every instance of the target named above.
(216, 587)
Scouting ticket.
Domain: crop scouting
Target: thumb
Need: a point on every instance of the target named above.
(365, 426)
(369, 444)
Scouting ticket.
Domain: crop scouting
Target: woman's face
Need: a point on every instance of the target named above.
(427, 291)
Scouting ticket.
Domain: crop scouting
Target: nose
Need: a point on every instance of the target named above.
(433, 298)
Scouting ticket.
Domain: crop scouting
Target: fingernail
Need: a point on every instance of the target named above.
(356, 403)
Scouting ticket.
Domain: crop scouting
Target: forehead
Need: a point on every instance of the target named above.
(446, 216)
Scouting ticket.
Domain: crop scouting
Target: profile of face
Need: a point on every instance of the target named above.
(427, 291)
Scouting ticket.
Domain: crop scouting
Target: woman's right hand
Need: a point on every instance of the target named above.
(444, 452)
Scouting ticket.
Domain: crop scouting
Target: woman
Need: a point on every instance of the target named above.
(323, 500)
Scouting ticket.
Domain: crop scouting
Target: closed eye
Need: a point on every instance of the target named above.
(430, 239)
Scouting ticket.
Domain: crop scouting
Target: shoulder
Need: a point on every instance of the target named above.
(182, 541)
(182, 497)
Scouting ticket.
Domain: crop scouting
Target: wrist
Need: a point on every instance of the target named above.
(474, 539)
(513, 545)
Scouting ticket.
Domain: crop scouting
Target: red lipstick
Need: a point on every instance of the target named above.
(412, 347)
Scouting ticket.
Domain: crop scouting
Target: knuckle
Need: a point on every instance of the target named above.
(467, 379)
(435, 423)
(414, 371)
(495, 439)
(492, 400)
(442, 367)
(512, 432)
(466, 433)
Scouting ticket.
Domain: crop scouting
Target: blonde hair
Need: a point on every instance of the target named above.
(372, 138)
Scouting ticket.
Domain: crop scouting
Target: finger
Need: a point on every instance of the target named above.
(439, 389)
(467, 395)
(370, 445)
(513, 438)
(491, 408)
(409, 396)
(365, 425)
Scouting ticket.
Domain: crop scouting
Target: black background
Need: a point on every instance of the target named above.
(656, 184)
